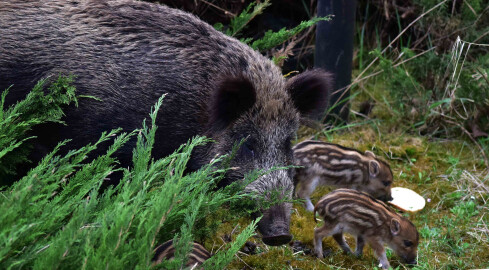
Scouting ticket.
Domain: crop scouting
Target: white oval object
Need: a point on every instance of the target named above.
(407, 200)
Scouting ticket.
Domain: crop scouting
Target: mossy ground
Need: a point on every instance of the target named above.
(449, 174)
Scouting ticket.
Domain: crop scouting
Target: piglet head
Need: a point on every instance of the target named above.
(405, 239)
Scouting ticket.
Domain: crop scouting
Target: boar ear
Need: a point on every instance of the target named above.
(395, 227)
(370, 154)
(373, 168)
(310, 91)
(232, 98)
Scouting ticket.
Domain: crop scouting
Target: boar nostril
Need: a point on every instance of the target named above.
(390, 199)
(277, 240)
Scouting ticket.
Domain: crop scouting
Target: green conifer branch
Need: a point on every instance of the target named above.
(272, 39)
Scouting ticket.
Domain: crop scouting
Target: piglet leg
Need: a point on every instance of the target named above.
(319, 234)
(341, 241)
(379, 252)
(359, 247)
(306, 188)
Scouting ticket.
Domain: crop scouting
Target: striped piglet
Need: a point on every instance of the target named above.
(196, 257)
(370, 220)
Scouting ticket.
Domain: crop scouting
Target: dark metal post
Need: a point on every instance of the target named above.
(334, 48)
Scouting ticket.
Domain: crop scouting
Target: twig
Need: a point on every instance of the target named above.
(118, 240)
(243, 261)
(481, 36)
(300, 38)
(162, 220)
(120, 233)
(486, 161)
(482, 75)
(470, 7)
(386, 9)
(477, 44)
(457, 49)
(421, 39)
(219, 8)
(464, 28)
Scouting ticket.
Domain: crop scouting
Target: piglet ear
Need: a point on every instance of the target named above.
(232, 98)
(373, 168)
(395, 227)
(370, 154)
(310, 92)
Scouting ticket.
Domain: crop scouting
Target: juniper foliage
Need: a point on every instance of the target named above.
(271, 39)
(57, 217)
(37, 108)
(239, 22)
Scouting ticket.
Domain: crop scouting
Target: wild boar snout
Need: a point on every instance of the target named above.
(275, 189)
(274, 225)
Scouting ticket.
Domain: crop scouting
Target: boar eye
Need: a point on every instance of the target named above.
(386, 183)
(408, 243)
(288, 144)
(247, 150)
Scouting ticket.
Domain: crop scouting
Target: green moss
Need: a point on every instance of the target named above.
(453, 225)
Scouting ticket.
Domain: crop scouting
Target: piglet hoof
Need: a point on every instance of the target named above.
(358, 254)
(298, 246)
(325, 253)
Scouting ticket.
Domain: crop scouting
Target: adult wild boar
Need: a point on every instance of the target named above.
(129, 53)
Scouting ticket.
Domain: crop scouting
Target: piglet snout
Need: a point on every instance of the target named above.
(410, 260)
(385, 198)
(413, 262)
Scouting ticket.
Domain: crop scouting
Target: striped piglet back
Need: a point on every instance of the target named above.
(354, 207)
(166, 251)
